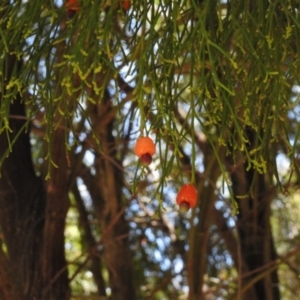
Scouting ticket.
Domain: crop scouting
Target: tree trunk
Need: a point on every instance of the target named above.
(55, 273)
(256, 243)
(35, 245)
(110, 208)
(199, 235)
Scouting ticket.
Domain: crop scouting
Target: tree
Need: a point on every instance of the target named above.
(214, 84)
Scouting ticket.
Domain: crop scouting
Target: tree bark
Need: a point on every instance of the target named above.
(90, 242)
(110, 207)
(22, 200)
(256, 242)
(33, 237)
(55, 272)
(199, 235)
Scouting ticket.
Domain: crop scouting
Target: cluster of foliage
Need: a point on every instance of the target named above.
(214, 84)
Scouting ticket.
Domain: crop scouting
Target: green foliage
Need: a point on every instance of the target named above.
(233, 65)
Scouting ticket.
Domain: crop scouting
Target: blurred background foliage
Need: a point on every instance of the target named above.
(214, 83)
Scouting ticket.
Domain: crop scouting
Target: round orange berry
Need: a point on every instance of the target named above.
(187, 197)
(145, 149)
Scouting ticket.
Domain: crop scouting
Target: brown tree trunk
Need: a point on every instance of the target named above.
(22, 203)
(199, 235)
(34, 239)
(90, 243)
(256, 243)
(55, 273)
(110, 208)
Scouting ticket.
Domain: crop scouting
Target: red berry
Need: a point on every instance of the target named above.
(186, 197)
(146, 159)
(145, 149)
(126, 5)
(73, 5)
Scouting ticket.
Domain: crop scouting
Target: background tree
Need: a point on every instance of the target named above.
(214, 84)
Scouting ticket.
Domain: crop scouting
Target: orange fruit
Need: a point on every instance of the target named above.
(73, 5)
(145, 149)
(187, 197)
(126, 5)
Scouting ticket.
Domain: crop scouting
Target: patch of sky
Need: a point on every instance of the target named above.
(177, 282)
(165, 263)
(283, 164)
(33, 89)
(42, 71)
(130, 26)
(89, 158)
(133, 209)
(58, 3)
(185, 289)
(86, 197)
(219, 259)
(178, 264)
(133, 225)
(222, 206)
(30, 40)
(150, 236)
(294, 112)
(195, 220)
(169, 198)
(296, 89)
(223, 188)
(188, 147)
(78, 149)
